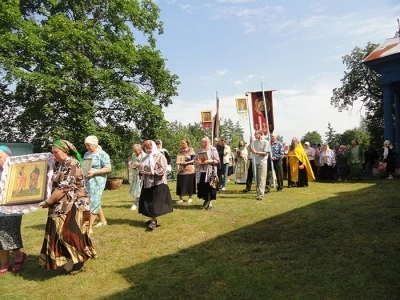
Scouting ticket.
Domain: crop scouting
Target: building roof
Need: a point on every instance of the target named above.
(389, 47)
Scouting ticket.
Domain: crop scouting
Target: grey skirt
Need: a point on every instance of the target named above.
(10, 232)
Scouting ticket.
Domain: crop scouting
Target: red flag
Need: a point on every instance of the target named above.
(216, 121)
(259, 117)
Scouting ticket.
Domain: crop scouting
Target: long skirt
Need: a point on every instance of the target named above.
(326, 172)
(10, 232)
(155, 201)
(356, 169)
(186, 185)
(66, 237)
(135, 187)
(204, 190)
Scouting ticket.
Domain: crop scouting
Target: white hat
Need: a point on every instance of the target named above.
(307, 143)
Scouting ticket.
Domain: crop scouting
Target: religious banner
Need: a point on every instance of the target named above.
(206, 119)
(258, 108)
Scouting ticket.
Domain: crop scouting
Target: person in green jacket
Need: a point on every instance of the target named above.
(356, 160)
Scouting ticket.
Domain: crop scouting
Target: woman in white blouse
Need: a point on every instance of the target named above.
(327, 160)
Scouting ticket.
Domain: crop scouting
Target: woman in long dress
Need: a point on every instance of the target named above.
(96, 179)
(186, 179)
(136, 184)
(10, 231)
(207, 160)
(155, 197)
(66, 241)
(388, 158)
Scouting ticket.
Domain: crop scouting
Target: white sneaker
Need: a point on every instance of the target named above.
(390, 177)
(179, 201)
(223, 189)
(100, 224)
(190, 200)
(134, 207)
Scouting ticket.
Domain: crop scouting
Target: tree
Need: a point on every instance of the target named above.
(330, 135)
(312, 137)
(77, 71)
(362, 84)
(233, 133)
(347, 136)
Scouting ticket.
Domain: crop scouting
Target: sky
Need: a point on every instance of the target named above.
(230, 47)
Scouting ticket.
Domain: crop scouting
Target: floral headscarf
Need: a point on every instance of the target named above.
(68, 148)
(5, 149)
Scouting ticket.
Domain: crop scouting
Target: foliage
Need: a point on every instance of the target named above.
(330, 135)
(279, 138)
(312, 137)
(347, 136)
(176, 132)
(73, 68)
(362, 84)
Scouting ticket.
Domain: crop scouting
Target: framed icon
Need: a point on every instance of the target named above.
(87, 165)
(241, 105)
(180, 159)
(206, 116)
(202, 156)
(26, 179)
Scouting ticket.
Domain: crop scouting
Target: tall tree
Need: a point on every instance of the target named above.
(312, 137)
(360, 83)
(77, 70)
(330, 135)
(348, 135)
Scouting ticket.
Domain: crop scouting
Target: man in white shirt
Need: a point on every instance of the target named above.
(226, 161)
(310, 151)
(260, 148)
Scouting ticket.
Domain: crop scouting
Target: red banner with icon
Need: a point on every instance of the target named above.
(259, 117)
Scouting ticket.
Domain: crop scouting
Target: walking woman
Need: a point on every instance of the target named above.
(186, 179)
(96, 179)
(155, 197)
(207, 160)
(66, 241)
(136, 184)
(10, 231)
(388, 158)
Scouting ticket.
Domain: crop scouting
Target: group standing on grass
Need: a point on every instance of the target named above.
(74, 199)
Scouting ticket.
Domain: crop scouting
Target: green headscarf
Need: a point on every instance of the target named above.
(68, 148)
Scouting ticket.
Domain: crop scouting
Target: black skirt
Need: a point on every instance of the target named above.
(204, 190)
(155, 201)
(186, 185)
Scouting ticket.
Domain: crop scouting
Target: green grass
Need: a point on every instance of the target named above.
(328, 241)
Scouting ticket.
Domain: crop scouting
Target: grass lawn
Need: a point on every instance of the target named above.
(327, 241)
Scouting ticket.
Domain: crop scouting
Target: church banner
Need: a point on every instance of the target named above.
(259, 116)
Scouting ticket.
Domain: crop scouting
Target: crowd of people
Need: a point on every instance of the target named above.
(74, 203)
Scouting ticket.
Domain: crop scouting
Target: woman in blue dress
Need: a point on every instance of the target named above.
(96, 179)
(136, 184)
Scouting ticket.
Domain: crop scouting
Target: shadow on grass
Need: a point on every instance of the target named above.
(344, 247)
(40, 227)
(130, 222)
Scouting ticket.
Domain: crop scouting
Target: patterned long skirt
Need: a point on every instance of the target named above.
(66, 237)
(10, 232)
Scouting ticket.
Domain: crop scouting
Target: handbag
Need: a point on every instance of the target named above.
(382, 166)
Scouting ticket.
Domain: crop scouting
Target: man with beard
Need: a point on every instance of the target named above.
(299, 168)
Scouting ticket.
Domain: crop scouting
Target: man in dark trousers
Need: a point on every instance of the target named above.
(220, 166)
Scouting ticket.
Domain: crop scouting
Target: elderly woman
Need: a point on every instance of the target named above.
(10, 231)
(207, 161)
(186, 179)
(388, 158)
(327, 161)
(96, 179)
(66, 240)
(155, 197)
(356, 160)
(136, 184)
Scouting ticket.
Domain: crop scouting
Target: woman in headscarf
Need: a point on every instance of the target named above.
(96, 179)
(327, 161)
(155, 197)
(207, 161)
(66, 240)
(186, 179)
(388, 158)
(10, 231)
(136, 184)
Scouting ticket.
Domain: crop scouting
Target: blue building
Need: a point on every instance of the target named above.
(386, 61)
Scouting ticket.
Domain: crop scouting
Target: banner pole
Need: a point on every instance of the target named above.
(253, 160)
(268, 134)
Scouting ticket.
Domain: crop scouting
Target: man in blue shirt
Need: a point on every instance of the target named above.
(277, 153)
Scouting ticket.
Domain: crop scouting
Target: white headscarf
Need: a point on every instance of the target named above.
(92, 140)
(150, 157)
